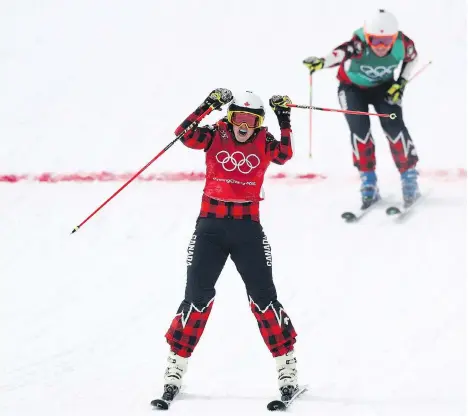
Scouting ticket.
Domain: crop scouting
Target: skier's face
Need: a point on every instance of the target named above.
(381, 51)
(243, 132)
(244, 124)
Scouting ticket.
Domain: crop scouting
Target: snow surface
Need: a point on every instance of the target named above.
(379, 306)
(98, 85)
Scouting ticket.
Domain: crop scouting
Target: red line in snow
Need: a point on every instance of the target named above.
(105, 176)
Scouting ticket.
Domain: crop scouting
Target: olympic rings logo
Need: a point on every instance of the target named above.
(244, 164)
(375, 72)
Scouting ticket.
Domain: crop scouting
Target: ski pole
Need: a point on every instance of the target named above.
(423, 68)
(310, 116)
(392, 116)
(191, 126)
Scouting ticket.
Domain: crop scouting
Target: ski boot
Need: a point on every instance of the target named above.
(409, 186)
(369, 189)
(176, 368)
(287, 375)
(287, 382)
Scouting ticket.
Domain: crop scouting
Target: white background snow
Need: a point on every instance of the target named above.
(100, 86)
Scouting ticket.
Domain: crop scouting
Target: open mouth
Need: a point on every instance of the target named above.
(243, 130)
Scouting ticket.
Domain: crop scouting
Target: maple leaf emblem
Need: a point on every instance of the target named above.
(247, 104)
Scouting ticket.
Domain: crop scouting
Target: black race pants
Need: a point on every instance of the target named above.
(212, 242)
(352, 97)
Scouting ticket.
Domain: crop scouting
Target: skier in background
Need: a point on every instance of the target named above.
(238, 150)
(367, 65)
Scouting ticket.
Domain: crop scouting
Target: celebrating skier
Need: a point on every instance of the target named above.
(367, 65)
(238, 150)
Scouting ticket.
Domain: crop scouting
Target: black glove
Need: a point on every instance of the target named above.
(278, 103)
(218, 98)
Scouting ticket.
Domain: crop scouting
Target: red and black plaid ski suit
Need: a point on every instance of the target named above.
(227, 228)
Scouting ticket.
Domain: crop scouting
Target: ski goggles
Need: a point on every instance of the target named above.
(378, 40)
(238, 118)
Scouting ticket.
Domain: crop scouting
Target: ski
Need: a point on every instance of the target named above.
(287, 398)
(161, 404)
(401, 211)
(170, 392)
(358, 214)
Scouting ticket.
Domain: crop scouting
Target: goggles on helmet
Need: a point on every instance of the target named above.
(238, 118)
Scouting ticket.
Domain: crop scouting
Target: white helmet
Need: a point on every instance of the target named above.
(246, 102)
(249, 102)
(382, 23)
